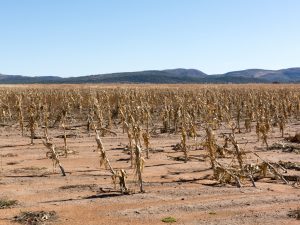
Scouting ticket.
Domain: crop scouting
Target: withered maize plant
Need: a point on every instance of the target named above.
(194, 114)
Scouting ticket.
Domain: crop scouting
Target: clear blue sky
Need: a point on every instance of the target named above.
(81, 37)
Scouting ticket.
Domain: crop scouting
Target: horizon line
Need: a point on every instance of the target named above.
(143, 70)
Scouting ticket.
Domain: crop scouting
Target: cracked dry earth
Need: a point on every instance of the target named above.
(184, 191)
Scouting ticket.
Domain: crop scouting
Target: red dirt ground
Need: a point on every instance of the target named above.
(184, 191)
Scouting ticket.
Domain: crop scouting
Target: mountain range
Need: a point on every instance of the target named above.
(291, 75)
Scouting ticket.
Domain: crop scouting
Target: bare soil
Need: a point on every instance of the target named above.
(184, 191)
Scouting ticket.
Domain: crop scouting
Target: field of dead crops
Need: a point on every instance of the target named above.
(150, 154)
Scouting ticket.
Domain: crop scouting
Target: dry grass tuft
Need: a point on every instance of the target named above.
(35, 218)
(5, 203)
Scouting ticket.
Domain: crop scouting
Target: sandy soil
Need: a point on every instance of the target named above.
(184, 191)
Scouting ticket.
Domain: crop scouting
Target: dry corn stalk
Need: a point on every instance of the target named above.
(20, 112)
(282, 125)
(184, 144)
(146, 138)
(210, 145)
(272, 168)
(130, 144)
(32, 121)
(224, 175)
(119, 174)
(239, 155)
(139, 159)
(139, 166)
(65, 134)
(54, 156)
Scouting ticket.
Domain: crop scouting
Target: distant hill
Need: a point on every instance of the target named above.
(172, 76)
(150, 76)
(284, 75)
(186, 73)
(18, 79)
